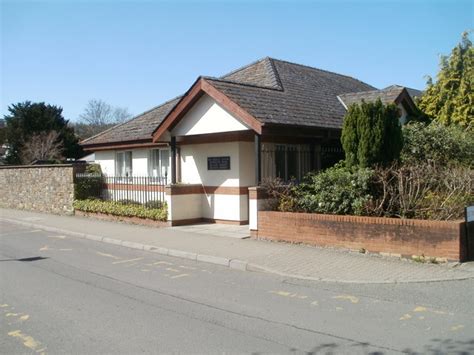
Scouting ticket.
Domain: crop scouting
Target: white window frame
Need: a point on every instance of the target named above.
(157, 172)
(119, 173)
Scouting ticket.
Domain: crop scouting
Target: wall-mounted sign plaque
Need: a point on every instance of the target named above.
(218, 163)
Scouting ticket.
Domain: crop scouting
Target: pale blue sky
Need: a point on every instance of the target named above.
(137, 54)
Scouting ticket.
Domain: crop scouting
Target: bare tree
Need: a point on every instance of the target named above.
(100, 113)
(42, 146)
(99, 116)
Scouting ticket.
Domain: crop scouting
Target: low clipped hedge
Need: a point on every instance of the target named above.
(120, 209)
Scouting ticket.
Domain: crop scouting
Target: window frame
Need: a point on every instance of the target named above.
(124, 153)
(159, 168)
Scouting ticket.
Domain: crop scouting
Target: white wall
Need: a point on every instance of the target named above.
(247, 163)
(140, 162)
(241, 173)
(194, 164)
(207, 116)
(106, 160)
(184, 206)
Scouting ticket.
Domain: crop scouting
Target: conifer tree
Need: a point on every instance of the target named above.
(371, 134)
(27, 119)
(450, 100)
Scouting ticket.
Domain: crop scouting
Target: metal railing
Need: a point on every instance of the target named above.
(146, 190)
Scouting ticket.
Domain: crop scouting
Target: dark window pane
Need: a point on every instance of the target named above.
(292, 161)
(280, 162)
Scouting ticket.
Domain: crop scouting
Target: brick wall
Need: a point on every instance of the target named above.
(43, 188)
(382, 235)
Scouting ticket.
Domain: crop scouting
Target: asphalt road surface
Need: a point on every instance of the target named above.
(60, 295)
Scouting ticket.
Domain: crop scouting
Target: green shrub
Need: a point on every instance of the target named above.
(337, 190)
(119, 209)
(126, 201)
(154, 204)
(89, 184)
(437, 144)
(371, 134)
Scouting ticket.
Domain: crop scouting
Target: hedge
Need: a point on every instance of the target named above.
(120, 209)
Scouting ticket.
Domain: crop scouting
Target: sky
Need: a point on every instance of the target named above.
(138, 54)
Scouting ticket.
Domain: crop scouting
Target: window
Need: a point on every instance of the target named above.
(123, 164)
(285, 161)
(159, 164)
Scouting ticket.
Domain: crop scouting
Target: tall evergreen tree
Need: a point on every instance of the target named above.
(371, 134)
(27, 119)
(450, 100)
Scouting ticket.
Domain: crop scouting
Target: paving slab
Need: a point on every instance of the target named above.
(295, 261)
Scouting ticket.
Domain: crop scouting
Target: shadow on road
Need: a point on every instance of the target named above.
(32, 258)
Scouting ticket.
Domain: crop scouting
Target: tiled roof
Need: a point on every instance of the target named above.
(412, 92)
(387, 95)
(261, 73)
(307, 97)
(271, 90)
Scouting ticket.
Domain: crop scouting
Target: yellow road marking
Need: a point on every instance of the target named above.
(25, 317)
(28, 341)
(107, 255)
(126, 261)
(314, 303)
(12, 314)
(289, 294)
(339, 309)
(353, 299)
(457, 327)
(145, 270)
(162, 262)
(44, 248)
(3, 305)
(178, 276)
(173, 270)
(130, 265)
(405, 317)
(281, 293)
(435, 311)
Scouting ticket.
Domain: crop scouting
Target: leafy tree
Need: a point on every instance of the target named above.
(450, 99)
(27, 119)
(437, 144)
(371, 134)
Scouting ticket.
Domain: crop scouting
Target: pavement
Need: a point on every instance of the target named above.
(66, 295)
(289, 260)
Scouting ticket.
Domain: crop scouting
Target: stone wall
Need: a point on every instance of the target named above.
(43, 188)
(397, 237)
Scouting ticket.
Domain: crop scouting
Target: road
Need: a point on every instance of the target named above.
(66, 295)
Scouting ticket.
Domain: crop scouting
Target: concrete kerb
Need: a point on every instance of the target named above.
(217, 260)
